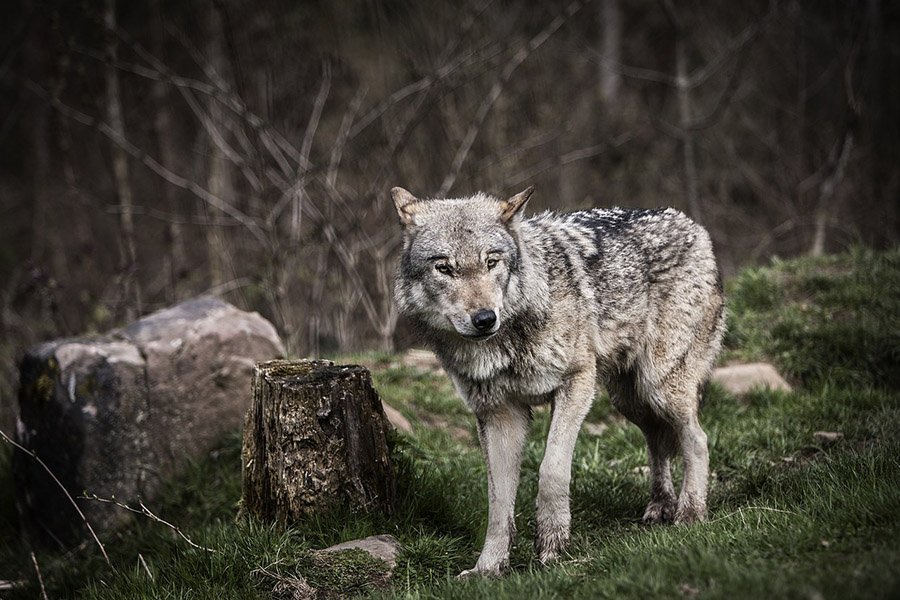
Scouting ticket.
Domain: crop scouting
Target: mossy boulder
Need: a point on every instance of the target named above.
(117, 414)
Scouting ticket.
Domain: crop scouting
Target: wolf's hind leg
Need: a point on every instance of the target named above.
(692, 499)
(502, 434)
(570, 406)
(678, 400)
(661, 439)
(661, 443)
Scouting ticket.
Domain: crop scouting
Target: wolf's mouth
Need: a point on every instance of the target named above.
(480, 336)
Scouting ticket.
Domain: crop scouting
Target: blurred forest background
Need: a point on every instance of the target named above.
(154, 150)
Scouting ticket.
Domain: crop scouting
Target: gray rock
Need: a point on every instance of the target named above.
(740, 379)
(117, 414)
(422, 360)
(396, 418)
(827, 437)
(595, 429)
(385, 547)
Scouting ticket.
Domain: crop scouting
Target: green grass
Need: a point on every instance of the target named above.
(790, 517)
(833, 319)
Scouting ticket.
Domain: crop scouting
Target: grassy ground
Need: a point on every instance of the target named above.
(791, 515)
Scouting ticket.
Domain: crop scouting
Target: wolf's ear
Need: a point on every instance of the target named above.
(405, 203)
(512, 206)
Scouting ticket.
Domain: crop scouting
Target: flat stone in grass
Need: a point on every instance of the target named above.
(422, 360)
(396, 418)
(340, 571)
(383, 547)
(740, 379)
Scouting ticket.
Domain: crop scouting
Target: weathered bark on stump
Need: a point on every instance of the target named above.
(314, 439)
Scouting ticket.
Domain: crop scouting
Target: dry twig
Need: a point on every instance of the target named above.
(30, 453)
(40, 579)
(481, 114)
(150, 514)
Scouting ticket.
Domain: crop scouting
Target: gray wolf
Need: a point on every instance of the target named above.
(523, 312)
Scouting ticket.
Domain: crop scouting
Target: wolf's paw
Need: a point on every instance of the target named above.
(477, 571)
(690, 511)
(659, 511)
(550, 544)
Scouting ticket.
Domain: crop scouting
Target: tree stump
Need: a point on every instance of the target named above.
(314, 439)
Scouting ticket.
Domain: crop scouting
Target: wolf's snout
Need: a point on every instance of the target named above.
(484, 319)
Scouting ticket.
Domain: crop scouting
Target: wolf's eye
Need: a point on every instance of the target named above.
(492, 262)
(443, 269)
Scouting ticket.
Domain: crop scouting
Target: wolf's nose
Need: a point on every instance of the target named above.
(484, 319)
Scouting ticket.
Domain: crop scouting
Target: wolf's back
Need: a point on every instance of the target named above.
(630, 257)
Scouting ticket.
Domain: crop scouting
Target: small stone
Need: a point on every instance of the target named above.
(596, 429)
(384, 547)
(740, 379)
(827, 437)
(433, 421)
(423, 360)
(688, 591)
(396, 418)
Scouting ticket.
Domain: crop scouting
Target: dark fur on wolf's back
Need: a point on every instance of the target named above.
(629, 297)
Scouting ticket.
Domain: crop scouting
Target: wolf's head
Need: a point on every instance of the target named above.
(461, 261)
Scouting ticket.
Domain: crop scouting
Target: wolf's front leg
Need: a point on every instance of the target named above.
(502, 432)
(570, 406)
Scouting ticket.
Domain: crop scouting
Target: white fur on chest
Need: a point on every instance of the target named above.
(491, 374)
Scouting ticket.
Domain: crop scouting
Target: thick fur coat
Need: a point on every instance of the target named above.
(529, 311)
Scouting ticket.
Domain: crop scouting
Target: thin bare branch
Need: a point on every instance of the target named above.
(44, 466)
(185, 87)
(570, 157)
(724, 99)
(348, 262)
(631, 72)
(445, 70)
(273, 141)
(340, 140)
(146, 568)
(218, 138)
(151, 163)
(37, 570)
(481, 114)
(468, 59)
(149, 514)
(700, 75)
(299, 191)
(738, 45)
(313, 124)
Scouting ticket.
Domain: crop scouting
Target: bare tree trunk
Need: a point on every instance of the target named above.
(610, 77)
(827, 193)
(76, 259)
(389, 313)
(220, 176)
(685, 119)
(130, 288)
(175, 260)
(580, 131)
(39, 150)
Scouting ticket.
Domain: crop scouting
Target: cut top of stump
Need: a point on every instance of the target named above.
(296, 374)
